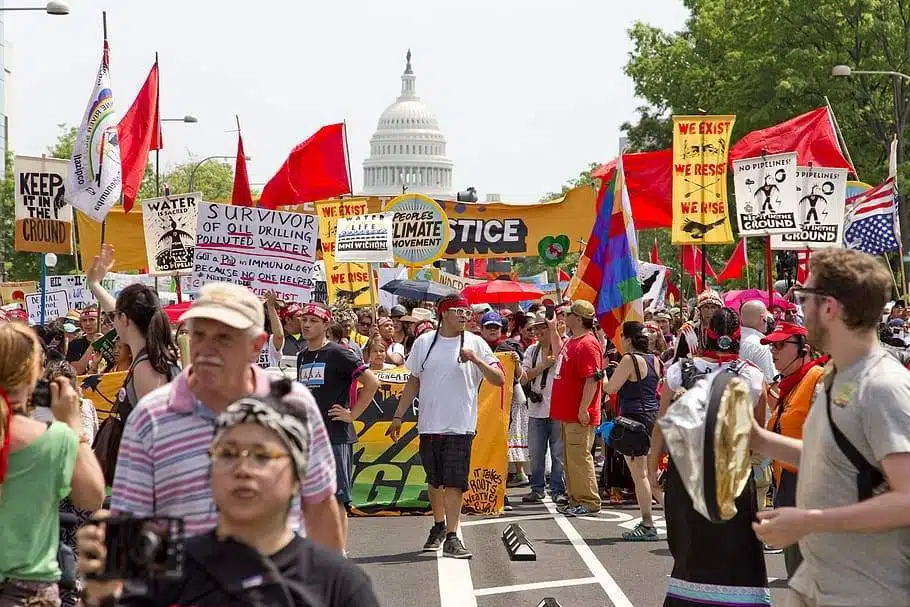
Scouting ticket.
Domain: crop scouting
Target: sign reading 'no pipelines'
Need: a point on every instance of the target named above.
(44, 221)
(420, 233)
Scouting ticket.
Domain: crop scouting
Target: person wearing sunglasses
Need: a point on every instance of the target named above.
(799, 375)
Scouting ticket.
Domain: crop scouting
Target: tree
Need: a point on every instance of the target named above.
(215, 179)
(584, 178)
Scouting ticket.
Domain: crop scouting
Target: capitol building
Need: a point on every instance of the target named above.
(408, 150)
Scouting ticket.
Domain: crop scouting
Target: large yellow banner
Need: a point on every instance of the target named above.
(348, 280)
(102, 390)
(700, 145)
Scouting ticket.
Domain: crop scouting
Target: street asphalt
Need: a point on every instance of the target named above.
(581, 562)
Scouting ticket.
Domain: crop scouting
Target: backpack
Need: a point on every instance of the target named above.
(690, 373)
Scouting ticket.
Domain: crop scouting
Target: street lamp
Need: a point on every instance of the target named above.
(54, 7)
(189, 119)
(48, 261)
(203, 161)
(846, 70)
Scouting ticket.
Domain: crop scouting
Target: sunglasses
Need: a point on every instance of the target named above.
(460, 311)
(779, 345)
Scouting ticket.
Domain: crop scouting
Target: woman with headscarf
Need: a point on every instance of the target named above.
(259, 456)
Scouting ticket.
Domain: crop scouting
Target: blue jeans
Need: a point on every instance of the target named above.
(543, 432)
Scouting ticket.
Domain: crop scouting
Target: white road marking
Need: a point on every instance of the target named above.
(606, 581)
(456, 587)
(536, 586)
(505, 520)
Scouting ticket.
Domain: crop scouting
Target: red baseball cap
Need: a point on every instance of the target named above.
(784, 331)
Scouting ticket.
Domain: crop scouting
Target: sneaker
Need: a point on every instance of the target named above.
(506, 504)
(561, 499)
(434, 540)
(579, 510)
(534, 497)
(453, 548)
(519, 480)
(641, 533)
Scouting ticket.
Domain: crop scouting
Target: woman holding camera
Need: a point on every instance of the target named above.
(258, 454)
(635, 382)
(40, 464)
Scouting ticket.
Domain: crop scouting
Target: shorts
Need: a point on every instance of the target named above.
(446, 459)
(344, 472)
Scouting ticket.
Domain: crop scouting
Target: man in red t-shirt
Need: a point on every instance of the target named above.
(575, 403)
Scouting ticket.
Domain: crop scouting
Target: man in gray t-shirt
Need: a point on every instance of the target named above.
(857, 552)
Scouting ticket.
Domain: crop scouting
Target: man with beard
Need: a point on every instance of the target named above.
(851, 526)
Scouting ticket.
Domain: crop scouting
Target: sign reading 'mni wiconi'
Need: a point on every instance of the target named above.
(44, 220)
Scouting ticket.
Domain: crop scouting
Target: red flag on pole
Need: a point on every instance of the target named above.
(802, 266)
(672, 291)
(315, 170)
(655, 254)
(736, 264)
(241, 195)
(138, 132)
(562, 276)
(691, 263)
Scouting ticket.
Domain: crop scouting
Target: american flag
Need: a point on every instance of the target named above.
(870, 220)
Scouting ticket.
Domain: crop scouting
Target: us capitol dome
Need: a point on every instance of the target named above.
(408, 150)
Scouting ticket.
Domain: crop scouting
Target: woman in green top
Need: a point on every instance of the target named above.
(40, 464)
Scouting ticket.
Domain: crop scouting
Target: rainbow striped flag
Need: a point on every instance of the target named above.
(607, 273)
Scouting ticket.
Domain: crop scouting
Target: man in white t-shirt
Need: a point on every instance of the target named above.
(446, 368)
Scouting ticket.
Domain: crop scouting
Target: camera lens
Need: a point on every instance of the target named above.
(146, 548)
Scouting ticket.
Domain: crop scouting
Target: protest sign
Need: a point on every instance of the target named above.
(653, 279)
(365, 238)
(821, 193)
(700, 145)
(766, 200)
(348, 280)
(421, 229)
(170, 232)
(14, 292)
(56, 305)
(77, 292)
(389, 476)
(102, 390)
(260, 249)
(329, 212)
(105, 346)
(44, 220)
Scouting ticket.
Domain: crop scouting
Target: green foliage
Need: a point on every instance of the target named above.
(214, 178)
(584, 178)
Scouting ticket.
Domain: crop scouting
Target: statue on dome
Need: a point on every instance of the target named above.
(407, 69)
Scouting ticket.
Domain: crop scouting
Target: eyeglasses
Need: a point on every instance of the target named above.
(802, 294)
(227, 457)
(460, 311)
(779, 345)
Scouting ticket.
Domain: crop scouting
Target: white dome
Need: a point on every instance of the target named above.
(408, 150)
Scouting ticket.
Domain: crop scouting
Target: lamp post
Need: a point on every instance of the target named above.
(187, 119)
(47, 261)
(54, 7)
(900, 119)
(203, 161)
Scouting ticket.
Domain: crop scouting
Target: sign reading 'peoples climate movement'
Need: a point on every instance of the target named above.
(821, 193)
(260, 249)
(421, 229)
(44, 221)
(766, 200)
(364, 238)
(170, 232)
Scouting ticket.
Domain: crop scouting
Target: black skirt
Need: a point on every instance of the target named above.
(713, 563)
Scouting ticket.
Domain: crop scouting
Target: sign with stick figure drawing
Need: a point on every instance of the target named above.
(766, 200)
(170, 232)
(821, 193)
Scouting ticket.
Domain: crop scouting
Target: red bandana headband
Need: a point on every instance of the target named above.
(289, 311)
(461, 302)
(319, 311)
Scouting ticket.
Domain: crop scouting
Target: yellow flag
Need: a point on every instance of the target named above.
(700, 145)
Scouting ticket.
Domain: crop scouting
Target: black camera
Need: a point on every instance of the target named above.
(41, 395)
(534, 397)
(143, 548)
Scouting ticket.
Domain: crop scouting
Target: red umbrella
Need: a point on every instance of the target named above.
(174, 311)
(501, 292)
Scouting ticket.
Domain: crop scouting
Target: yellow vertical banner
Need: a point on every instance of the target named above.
(700, 146)
(348, 280)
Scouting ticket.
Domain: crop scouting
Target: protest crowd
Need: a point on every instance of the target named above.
(213, 451)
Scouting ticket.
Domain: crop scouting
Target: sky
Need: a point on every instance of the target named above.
(526, 92)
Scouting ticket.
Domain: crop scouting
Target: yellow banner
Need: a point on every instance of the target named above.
(102, 392)
(349, 280)
(123, 230)
(700, 145)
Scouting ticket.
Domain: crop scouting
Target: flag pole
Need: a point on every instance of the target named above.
(704, 269)
(158, 126)
(746, 255)
(840, 135)
(891, 270)
(769, 261)
(104, 221)
(347, 155)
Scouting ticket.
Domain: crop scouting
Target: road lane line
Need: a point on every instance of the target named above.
(456, 587)
(536, 586)
(506, 520)
(606, 581)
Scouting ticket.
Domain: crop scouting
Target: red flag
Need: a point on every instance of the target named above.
(649, 181)
(241, 195)
(802, 266)
(691, 263)
(736, 264)
(315, 170)
(138, 132)
(672, 291)
(655, 254)
(562, 276)
(479, 268)
(810, 135)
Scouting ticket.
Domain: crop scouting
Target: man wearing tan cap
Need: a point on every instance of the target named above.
(163, 467)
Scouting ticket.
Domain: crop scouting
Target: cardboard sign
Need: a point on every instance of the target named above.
(700, 145)
(14, 292)
(766, 200)
(56, 305)
(170, 232)
(260, 249)
(44, 220)
(821, 193)
(365, 238)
